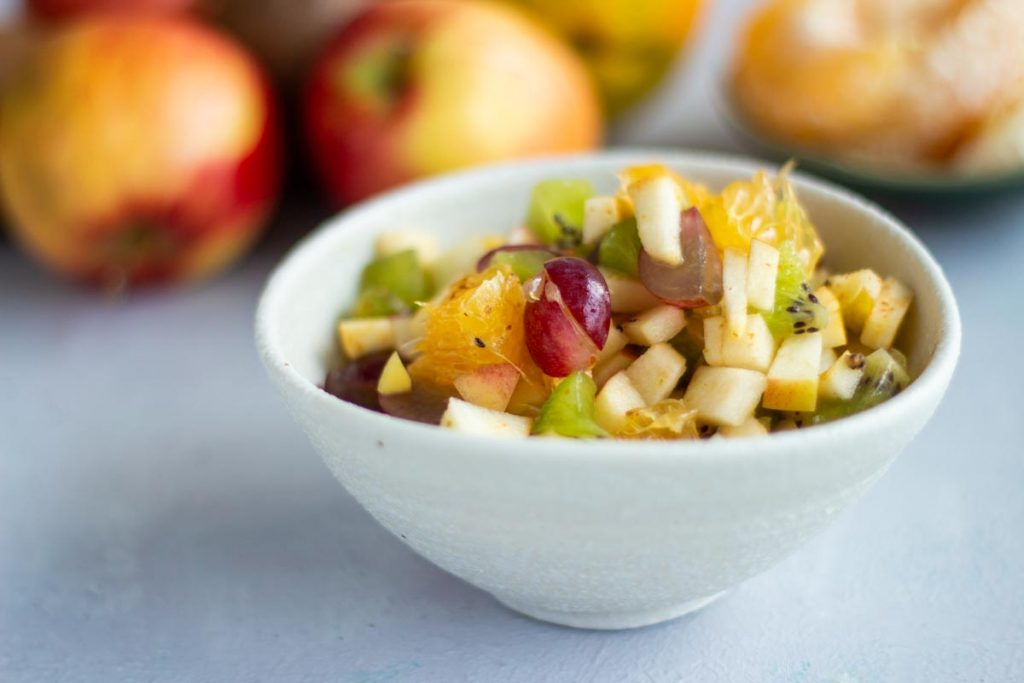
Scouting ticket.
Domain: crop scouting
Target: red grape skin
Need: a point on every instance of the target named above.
(697, 281)
(585, 295)
(557, 346)
(567, 316)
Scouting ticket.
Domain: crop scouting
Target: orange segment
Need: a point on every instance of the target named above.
(808, 72)
(762, 208)
(478, 322)
(666, 419)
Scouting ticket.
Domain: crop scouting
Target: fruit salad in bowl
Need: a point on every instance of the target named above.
(513, 301)
(661, 310)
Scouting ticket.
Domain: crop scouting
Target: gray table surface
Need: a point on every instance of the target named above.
(162, 518)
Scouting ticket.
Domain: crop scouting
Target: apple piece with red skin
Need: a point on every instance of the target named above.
(138, 149)
(60, 10)
(413, 88)
(567, 316)
(489, 386)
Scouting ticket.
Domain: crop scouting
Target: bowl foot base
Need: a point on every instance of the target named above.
(610, 621)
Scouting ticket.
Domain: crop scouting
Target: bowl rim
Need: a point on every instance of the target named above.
(934, 378)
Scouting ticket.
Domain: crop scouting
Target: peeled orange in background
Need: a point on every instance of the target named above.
(906, 83)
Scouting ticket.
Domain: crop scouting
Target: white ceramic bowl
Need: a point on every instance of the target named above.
(595, 534)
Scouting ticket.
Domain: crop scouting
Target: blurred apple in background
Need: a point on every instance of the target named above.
(412, 88)
(286, 35)
(15, 41)
(628, 45)
(66, 9)
(137, 149)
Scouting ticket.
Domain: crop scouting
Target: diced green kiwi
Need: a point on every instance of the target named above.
(620, 248)
(884, 373)
(796, 309)
(376, 302)
(392, 284)
(884, 377)
(555, 215)
(524, 263)
(569, 410)
(900, 358)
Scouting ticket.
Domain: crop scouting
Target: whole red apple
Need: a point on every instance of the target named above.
(57, 10)
(136, 149)
(416, 87)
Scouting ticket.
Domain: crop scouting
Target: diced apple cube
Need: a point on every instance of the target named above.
(616, 341)
(394, 378)
(612, 365)
(857, 293)
(658, 202)
(724, 396)
(714, 335)
(600, 214)
(628, 295)
(841, 380)
(360, 336)
(422, 242)
(834, 333)
(753, 350)
(488, 386)
(828, 357)
(883, 322)
(793, 376)
(656, 373)
(465, 417)
(749, 427)
(655, 325)
(762, 271)
(617, 397)
(734, 295)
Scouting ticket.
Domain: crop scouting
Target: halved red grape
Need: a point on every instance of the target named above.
(567, 316)
(357, 381)
(525, 260)
(585, 294)
(697, 281)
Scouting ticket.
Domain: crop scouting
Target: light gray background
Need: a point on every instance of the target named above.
(162, 518)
